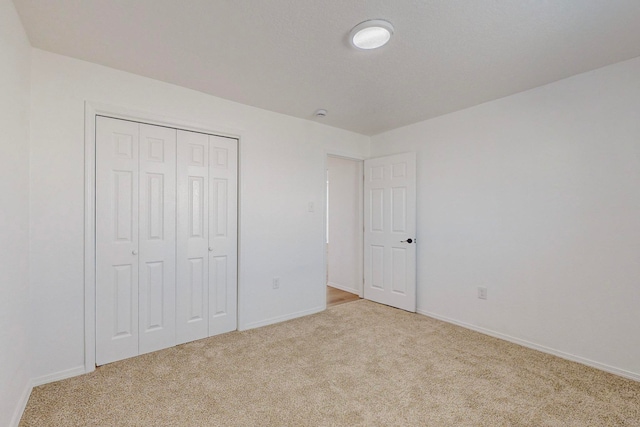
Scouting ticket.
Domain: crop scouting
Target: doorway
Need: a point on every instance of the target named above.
(344, 233)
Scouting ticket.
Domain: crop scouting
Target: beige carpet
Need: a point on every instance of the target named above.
(355, 364)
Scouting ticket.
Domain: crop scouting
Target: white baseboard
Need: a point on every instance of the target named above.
(279, 319)
(344, 288)
(601, 366)
(22, 404)
(57, 376)
(24, 398)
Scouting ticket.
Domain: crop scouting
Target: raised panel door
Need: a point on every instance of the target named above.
(166, 237)
(223, 229)
(192, 293)
(390, 228)
(117, 143)
(157, 238)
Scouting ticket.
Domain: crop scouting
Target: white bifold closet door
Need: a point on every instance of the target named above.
(207, 235)
(166, 237)
(135, 238)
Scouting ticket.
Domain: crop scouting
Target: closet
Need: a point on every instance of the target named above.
(166, 237)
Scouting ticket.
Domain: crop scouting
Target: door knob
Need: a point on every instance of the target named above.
(210, 249)
(135, 252)
(407, 241)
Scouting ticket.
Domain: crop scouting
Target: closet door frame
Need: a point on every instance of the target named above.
(92, 110)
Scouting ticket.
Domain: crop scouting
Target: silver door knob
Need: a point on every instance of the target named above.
(210, 249)
(134, 252)
(406, 241)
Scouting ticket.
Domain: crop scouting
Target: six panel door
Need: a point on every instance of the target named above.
(193, 237)
(157, 238)
(390, 227)
(223, 229)
(117, 204)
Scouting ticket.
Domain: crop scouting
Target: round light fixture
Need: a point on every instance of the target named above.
(371, 34)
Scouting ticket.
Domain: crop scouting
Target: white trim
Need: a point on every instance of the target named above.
(57, 376)
(279, 319)
(361, 228)
(360, 160)
(344, 155)
(343, 288)
(89, 237)
(571, 357)
(159, 120)
(93, 109)
(22, 404)
(239, 294)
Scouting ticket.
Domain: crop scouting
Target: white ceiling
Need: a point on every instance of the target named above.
(293, 57)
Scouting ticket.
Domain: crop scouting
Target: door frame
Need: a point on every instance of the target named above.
(91, 110)
(355, 158)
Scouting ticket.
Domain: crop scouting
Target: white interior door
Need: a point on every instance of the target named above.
(223, 230)
(193, 237)
(157, 238)
(116, 239)
(390, 230)
(207, 235)
(166, 237)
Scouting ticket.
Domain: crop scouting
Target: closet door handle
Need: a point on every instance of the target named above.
(210, 249)
(135, 252)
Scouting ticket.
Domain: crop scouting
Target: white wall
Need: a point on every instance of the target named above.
(281, 171)
(344, 259)
(15, 373)
(537, 197)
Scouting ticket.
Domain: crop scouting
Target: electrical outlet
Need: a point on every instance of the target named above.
(276, 283)
(482, 292)
(311, 207)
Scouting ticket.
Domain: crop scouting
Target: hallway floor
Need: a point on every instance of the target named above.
(337, 296)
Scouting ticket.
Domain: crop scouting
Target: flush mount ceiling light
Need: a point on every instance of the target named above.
(371, 34)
